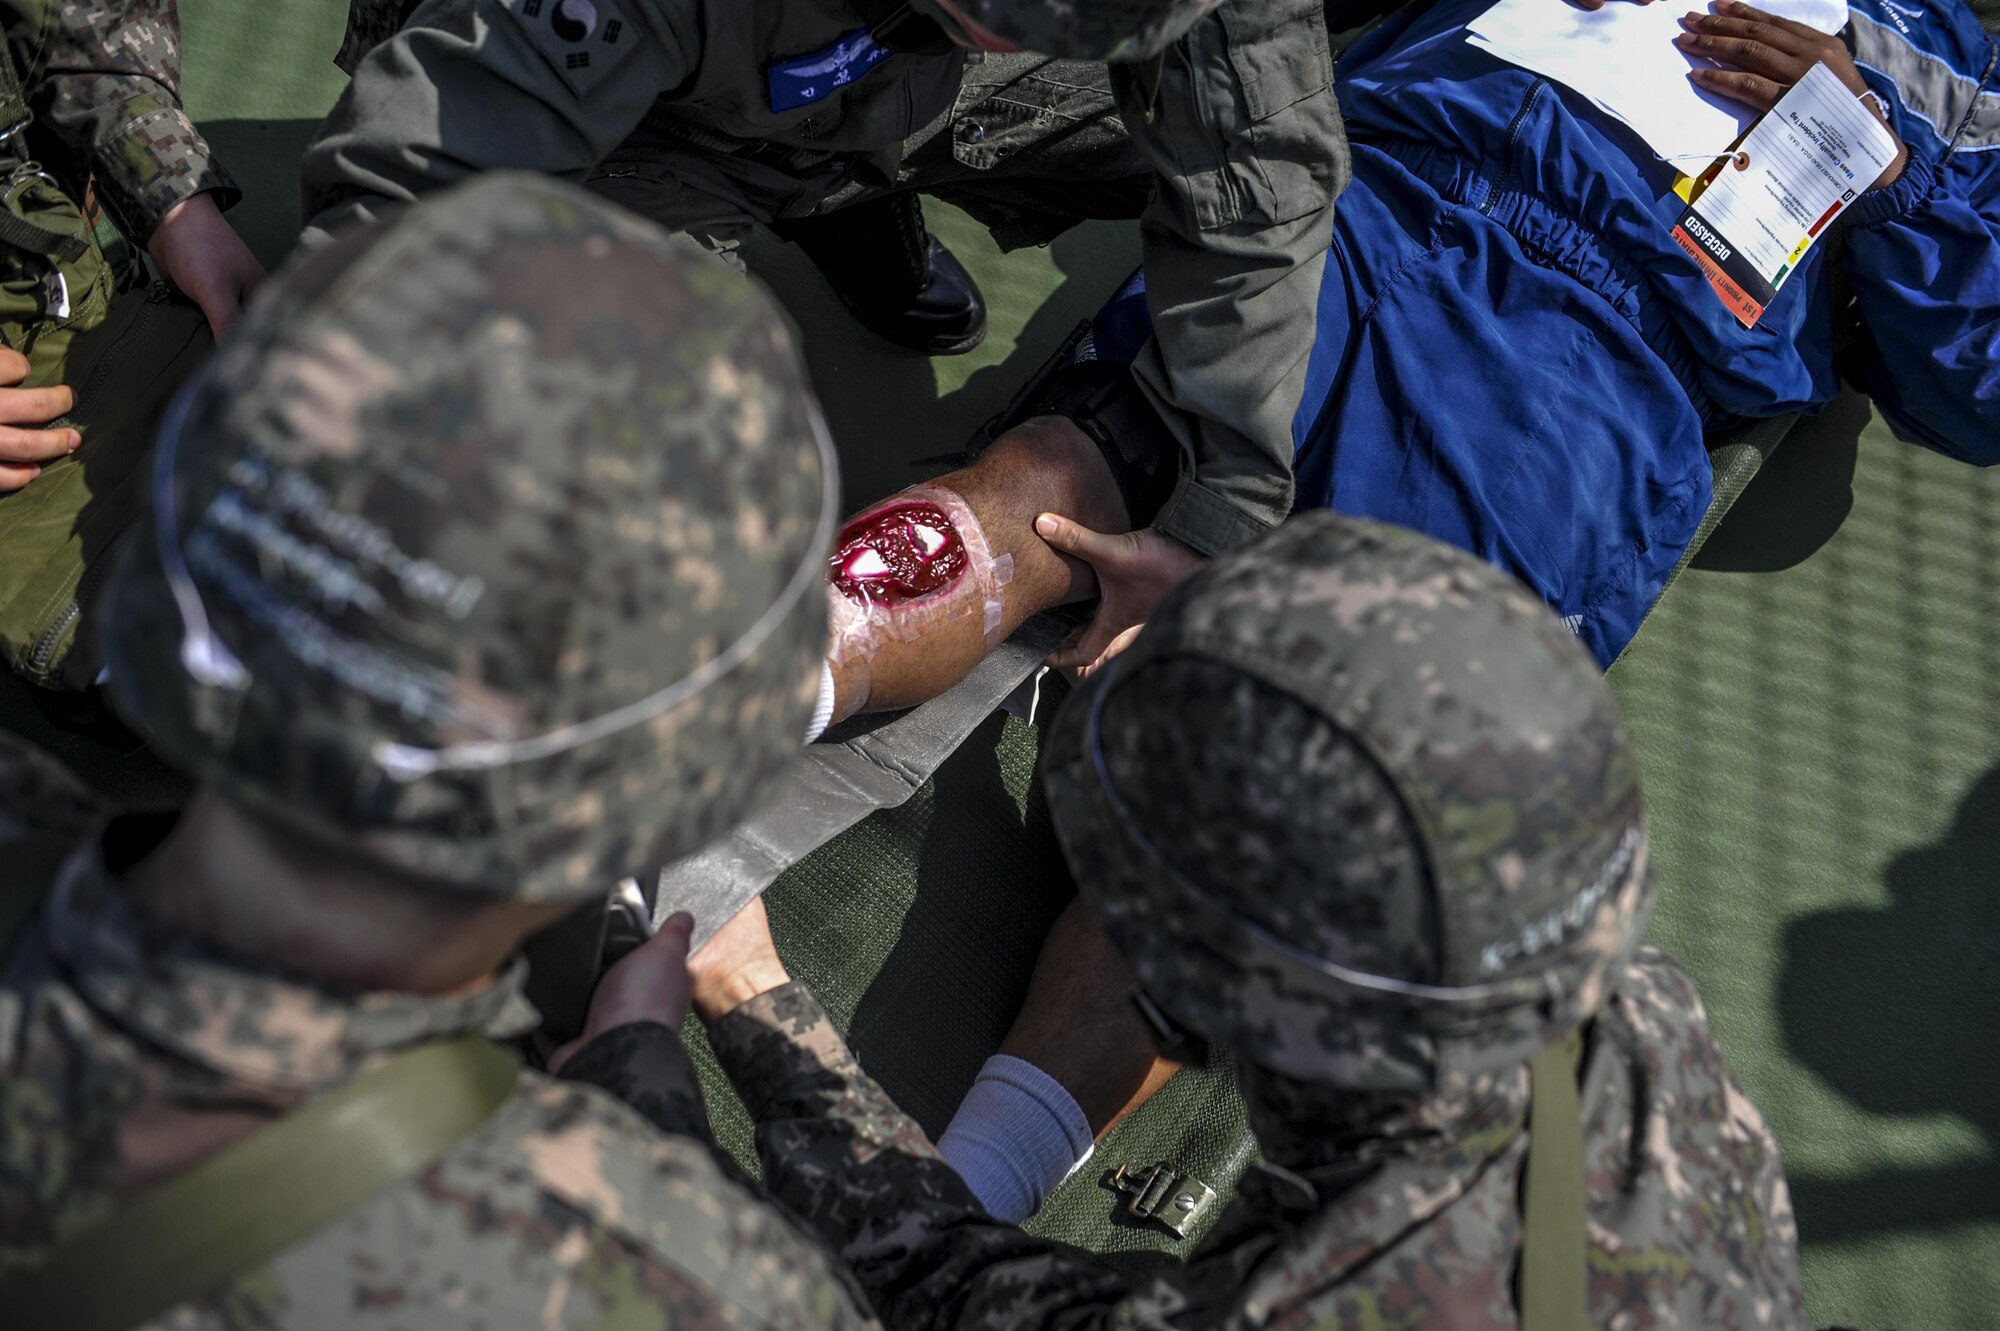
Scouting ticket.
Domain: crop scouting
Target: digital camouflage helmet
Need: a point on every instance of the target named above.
(1357, 805)
(490, 542)
(1118, 30)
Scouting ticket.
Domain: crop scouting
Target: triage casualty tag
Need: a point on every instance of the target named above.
(1793, 173)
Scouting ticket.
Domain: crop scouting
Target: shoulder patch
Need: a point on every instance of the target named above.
(583, 40)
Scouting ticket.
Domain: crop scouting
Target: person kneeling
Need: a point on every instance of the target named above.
(1358, 808)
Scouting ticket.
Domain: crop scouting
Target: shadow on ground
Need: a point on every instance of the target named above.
(1798, 499)
(885, 405)
(1898, 1010)
(264, 156)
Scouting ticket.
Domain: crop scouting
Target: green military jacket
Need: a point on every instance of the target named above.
(1401, 1225)
(1242, 133)
(129, 1053)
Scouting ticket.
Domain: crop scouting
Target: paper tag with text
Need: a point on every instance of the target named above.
(1795, 171)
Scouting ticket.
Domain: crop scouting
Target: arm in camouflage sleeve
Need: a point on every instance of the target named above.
(1245, 139)
(480, 85)
(645, 1065)
(112, 92)
(839, 1153)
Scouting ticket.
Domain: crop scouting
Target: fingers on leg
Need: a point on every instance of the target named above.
(17, 445)
(35, 406)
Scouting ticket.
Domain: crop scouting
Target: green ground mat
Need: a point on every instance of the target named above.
(1817, 712)
(1817, 707)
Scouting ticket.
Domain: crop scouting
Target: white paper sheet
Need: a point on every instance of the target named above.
(1623, 58)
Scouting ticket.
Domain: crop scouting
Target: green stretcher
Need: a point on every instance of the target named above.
(918, 929)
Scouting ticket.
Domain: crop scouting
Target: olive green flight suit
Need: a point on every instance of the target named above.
(1231, 158)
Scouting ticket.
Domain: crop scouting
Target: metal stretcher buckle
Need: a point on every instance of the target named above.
(1162, 1194)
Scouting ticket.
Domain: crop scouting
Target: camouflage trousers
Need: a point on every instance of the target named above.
(1031, 147)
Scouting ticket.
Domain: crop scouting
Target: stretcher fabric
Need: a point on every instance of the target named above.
(917, 931)
(866, 764)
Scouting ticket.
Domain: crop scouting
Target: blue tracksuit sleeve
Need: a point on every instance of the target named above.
(1924, 253)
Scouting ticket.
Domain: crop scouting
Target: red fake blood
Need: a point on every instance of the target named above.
(897, 554)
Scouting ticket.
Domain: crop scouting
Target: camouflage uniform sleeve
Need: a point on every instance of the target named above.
(1246, 142)
(477, 85)
(645, 1066)
(1704, 1226)
(840, 1154)
(111, 91)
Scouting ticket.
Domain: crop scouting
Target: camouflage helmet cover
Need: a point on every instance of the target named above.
(490, 542)
(1446, 694)
(1116, 30)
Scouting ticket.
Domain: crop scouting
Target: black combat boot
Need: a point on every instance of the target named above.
(894, 276)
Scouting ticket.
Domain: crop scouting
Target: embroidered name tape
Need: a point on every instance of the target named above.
(817, 75)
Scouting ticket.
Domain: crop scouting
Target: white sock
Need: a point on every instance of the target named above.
(823, 709)
(1016, 1135)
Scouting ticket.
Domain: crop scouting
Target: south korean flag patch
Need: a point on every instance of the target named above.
(583, 40)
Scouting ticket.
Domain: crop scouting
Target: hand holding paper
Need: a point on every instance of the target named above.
(1768, 56)
(1623, 58)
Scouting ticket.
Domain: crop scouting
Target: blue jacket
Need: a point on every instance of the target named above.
(1513, 354)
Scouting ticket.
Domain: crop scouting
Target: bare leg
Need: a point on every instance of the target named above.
(1077, 1025)
(926, 582)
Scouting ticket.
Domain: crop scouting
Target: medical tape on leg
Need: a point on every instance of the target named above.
(898, 573)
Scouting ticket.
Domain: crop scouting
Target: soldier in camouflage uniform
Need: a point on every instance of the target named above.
(484, 567)
(1357, 806)
(90, 115)
(101, 81)
(90, 92)
(713, 116)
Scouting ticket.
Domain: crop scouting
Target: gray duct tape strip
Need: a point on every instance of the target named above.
(869, 763)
